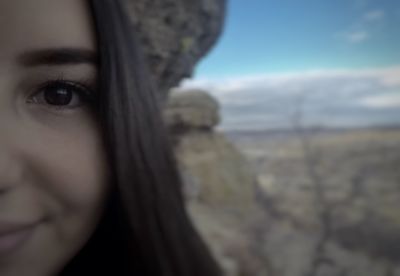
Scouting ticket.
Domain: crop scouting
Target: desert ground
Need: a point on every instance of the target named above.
(331, 199)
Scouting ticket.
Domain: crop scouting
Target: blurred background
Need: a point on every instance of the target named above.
(288, 138)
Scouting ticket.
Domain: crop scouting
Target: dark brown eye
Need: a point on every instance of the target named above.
(62, 94)
(58, 95)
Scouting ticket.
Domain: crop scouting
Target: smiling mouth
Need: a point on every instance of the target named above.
(13, 237)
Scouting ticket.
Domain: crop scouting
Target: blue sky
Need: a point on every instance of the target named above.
(340, 57)
(263, 36)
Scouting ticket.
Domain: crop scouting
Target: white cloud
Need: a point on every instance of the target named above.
(354, 36)
(363, 28)
(389, 76)
(357, 36)
(326, 97)
(374, 15)
(382, 101)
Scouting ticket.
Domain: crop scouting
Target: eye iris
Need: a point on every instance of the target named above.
(57, 96)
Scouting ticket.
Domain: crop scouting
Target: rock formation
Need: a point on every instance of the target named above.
(216, 173)
(192, 110)
(175, 34)
(219, 185)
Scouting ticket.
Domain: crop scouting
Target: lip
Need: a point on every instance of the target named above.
(14, 236)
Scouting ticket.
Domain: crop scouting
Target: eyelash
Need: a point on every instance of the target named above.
(81, 89)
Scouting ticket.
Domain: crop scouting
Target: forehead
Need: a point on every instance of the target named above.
(41, 24)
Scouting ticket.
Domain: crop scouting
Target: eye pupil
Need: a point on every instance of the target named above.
(57, 96)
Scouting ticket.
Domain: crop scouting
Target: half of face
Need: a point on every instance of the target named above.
(53, 171)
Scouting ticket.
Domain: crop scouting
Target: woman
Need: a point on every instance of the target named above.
(88, 185)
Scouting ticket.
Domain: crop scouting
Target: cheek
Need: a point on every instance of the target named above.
(74, 175)
(66, 183)
(70, 169)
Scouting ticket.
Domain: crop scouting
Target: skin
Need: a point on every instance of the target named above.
(53, 174)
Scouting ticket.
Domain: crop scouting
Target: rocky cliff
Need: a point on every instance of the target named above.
(175, 34)
(215, 172)
(219, 184)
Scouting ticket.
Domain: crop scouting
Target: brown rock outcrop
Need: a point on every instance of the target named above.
(192, 110)
(218, 183)
(208, 160)
(175, 34)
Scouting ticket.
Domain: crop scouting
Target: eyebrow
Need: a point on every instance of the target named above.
(58, 56)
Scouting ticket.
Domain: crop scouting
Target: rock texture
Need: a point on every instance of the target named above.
(192, 110)
(215, 172)
(175, 34)
(219, 184)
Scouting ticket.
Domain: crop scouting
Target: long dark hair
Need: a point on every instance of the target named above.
(145, 230)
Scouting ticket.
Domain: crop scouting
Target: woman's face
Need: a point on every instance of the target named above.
(52, 166)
